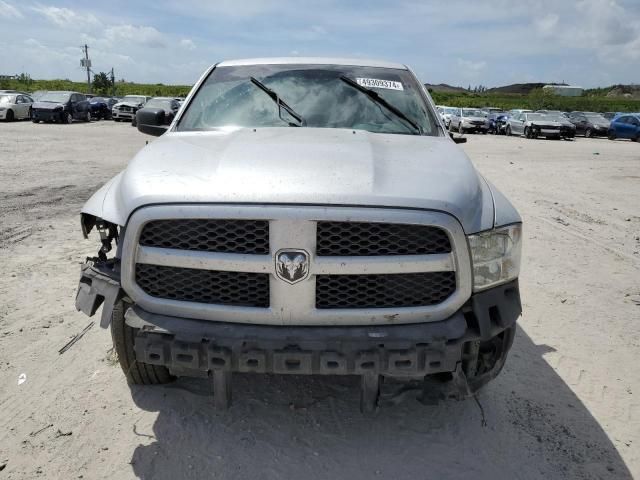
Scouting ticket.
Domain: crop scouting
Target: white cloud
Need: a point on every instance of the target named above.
(65, 17)
(472, 66)
(140, 35)
(547, 24)
(9, 11)
(188, 44)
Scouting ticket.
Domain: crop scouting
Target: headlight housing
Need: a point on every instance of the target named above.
(495, 256)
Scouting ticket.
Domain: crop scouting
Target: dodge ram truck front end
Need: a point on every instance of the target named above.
(364, 243)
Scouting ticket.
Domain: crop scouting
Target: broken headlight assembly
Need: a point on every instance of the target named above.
(495, 256)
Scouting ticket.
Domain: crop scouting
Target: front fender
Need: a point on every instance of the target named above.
(504, 213)
(103, 204)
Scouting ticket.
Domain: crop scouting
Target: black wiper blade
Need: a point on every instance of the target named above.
(280, 103)
(380, 100)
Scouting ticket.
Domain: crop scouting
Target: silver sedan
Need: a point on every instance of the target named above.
(15, 106)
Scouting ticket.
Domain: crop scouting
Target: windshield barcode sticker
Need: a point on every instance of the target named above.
(377, 83)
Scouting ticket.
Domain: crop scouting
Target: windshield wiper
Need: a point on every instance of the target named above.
(280, 103)
(378, 99)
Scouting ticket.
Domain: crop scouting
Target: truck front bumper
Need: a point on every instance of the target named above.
(472, 344)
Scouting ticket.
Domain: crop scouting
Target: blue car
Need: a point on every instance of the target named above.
(626, 125)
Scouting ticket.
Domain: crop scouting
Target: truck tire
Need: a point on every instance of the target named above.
(123, 336)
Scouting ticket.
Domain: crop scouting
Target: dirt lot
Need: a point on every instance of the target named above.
(566, 406)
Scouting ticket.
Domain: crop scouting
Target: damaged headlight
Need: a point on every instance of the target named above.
(495, 256)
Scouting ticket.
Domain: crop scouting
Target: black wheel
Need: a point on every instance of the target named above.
(611, 135)
(460, 128)
(29, 114)
(123, 337)
(528, 133)
(10, 116)
(116, 119)
(507, 131)
(66, 117)
(588, 133)
(35, 120)
(87, 117)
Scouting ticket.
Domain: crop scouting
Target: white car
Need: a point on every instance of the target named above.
(446, 113)
(126, 108)
(469, 120)
(15, 106)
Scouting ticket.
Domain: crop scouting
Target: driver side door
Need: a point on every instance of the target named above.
(517, 124)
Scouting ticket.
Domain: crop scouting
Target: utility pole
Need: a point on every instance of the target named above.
(113, 83)
(87, 64)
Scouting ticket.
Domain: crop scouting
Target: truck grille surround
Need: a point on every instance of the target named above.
(357, 265)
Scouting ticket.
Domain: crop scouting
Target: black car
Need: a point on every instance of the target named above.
(164, 107)
(62, 107)
(589, 124)
(100, 107)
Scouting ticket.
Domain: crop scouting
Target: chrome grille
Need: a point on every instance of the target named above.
(372, 239)
(366, 265)
(384, 291)
(204, 286)
(208, 235)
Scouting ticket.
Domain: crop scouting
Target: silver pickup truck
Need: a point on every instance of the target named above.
(305, 216)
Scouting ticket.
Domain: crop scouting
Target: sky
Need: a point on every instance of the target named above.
(582, 42)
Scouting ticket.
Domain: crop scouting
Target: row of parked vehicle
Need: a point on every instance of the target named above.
(66, 106)
(541, 123)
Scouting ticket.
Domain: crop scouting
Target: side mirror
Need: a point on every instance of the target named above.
(458, 139)
(151, 121)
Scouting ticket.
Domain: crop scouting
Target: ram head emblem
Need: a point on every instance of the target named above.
(292, 265)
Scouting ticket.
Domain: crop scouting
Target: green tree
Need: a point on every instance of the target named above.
(102, 83)
(541, 98)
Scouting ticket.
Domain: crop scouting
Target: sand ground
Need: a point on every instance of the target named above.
(567, 404)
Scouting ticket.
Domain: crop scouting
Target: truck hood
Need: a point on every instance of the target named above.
(301, 166)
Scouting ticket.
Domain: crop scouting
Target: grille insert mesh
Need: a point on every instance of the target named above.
(204, 286)
(384, 291)
(377, 239)
(208, 235)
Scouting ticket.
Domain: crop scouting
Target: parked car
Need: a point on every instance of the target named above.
(101, 107)
(590, 124)
(165, 107)
(126, 108)
(497, 122)
(469, 120)
(61, 106)
(251, 246)
(446, 114)
(626, 125)
(534, 125)
(15, 106)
